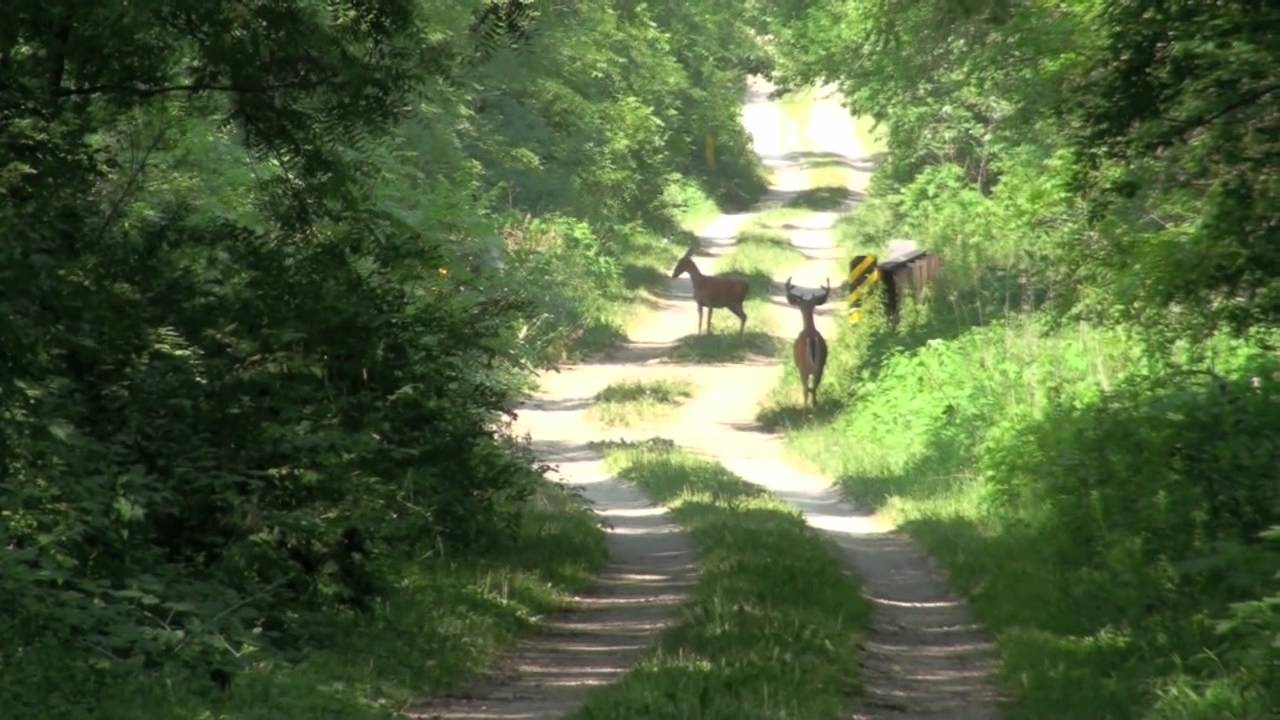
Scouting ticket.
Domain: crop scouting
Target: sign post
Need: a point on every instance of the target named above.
(863, 275)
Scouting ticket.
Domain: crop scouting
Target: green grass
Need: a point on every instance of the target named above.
(774, 219)
(689, 204)
(796, 107)
(1040, 463)
(773, 626)
(783, 407)
(634, 401)
(646, 260)
(823, 194)
(445, 620)
(727, 346)
(763, 258)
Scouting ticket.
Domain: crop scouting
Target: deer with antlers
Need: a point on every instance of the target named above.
(810, 349)
(713, 292)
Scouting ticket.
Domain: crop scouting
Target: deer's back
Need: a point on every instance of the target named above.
(718, 291)
(809, 350)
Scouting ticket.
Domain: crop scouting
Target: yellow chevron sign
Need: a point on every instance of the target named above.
(863, 275)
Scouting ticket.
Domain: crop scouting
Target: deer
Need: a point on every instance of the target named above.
(711, 292)
(810, 349)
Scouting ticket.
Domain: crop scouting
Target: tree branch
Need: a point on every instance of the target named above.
(144, 91)
(1183, 129)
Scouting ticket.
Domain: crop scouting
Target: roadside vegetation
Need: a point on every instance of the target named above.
(773, 626)
(636, 401)
(439, 620)
(1079, 420)
(274, 274)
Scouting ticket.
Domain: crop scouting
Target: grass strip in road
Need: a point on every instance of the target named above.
(773, 626)
(633, 401)
(828, 192)
(444, 621)
(726, 347)
(762, 257)
(777, 217)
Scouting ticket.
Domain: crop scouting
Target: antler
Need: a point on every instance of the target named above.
(826, 293)
(791, 297)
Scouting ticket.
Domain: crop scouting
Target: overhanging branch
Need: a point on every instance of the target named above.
(144, 91)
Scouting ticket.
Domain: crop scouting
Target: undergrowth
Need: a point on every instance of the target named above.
(444, 620)
(773, 626)
(1105, 504)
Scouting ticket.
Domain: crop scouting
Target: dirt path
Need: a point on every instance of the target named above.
(610, 625)
(923, 655)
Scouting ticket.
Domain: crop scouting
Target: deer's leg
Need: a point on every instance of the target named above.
(709, 311)
(742, 317)
(699, 318)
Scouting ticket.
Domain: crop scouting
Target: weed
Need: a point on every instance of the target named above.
(445, 619)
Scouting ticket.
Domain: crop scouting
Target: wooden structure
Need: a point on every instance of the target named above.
(910, 272)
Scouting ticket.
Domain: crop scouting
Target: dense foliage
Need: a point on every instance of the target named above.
(274, 273)
(1081, 420)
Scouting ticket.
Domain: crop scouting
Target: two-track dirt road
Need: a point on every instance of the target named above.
(923, 656)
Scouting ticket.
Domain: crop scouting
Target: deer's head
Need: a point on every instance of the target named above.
(807, 305)
(684, 265)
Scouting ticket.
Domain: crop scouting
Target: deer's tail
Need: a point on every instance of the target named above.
(817, 358)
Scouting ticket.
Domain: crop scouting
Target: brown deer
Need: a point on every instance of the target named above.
(810, 350)
(713, 292)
